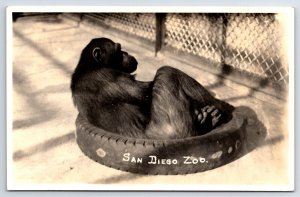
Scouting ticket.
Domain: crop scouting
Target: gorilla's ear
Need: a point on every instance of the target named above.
(97, 54)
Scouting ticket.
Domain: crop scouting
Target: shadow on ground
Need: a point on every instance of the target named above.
(45, 146)
(226, 71)
(43, 52)
(43, 112)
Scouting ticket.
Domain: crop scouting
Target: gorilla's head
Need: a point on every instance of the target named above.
(103, 52)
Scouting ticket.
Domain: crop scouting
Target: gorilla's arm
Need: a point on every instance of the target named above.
(121, 87)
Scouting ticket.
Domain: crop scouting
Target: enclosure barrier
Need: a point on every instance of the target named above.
(250, 43)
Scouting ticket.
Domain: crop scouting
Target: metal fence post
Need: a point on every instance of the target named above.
(224, 35)
(160, 30)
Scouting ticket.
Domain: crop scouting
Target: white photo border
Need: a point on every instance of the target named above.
(289, 11)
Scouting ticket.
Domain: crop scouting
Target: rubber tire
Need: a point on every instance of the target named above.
(205, 152)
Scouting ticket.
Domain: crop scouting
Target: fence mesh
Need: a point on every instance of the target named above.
(142, 25)
(248, 42)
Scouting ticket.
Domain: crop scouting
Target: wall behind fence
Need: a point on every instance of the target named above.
(251, 43)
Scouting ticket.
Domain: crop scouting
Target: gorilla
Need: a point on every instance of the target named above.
(172, 106)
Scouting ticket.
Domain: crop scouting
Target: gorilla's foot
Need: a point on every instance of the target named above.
(207, 118)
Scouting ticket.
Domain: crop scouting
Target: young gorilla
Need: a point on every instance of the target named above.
(173, 105)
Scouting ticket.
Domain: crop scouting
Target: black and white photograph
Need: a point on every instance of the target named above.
(150, 98)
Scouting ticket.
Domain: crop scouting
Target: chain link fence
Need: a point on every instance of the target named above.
(142, 25)
(247, 42)
(250, 43)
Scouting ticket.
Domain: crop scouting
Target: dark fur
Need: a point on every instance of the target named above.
(107, 94)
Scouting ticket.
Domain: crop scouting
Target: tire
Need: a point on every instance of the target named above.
(151, 156)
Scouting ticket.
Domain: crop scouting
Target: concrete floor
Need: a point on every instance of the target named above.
(44, 151)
